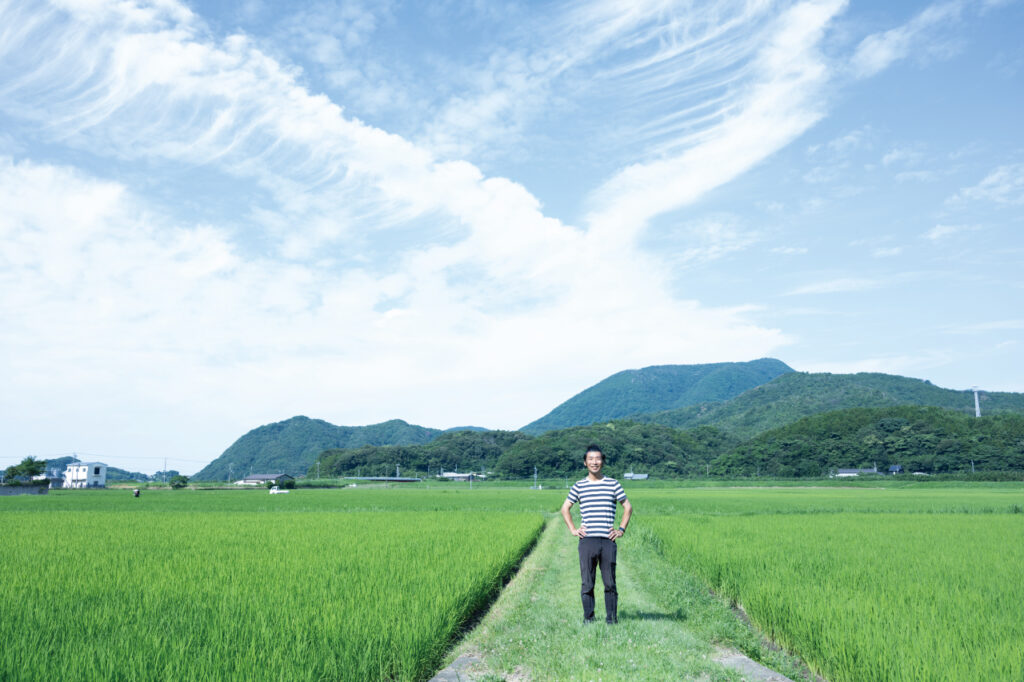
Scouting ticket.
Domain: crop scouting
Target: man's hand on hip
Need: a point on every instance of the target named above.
(580, 532)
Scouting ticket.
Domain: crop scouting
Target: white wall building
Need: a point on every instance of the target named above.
(85, 475)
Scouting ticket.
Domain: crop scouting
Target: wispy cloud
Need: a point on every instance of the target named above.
(901, 155)
(845, 143)
(835, 286)
(362, 255)
(942, 231)
(778, 104)
(1004, 185)
(920, 36)
(790, 250)
(887, 252)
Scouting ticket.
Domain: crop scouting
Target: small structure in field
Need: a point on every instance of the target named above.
(384, 479)
(85, 475)
(630, 476)
(895, 469)
(457, 476)
(852, 473)
(263, 479)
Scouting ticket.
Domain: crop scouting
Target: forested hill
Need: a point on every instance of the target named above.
(795, 395)
(926, 439)
(291, 446)
(662, 387)
(649, 448)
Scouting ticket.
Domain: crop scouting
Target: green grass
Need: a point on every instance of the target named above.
(376, 583)
(226, 595)
(669, 627)
(869, 597)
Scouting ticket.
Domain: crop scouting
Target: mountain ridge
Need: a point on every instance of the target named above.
(291, 445)
(657, 388)
(792, 396)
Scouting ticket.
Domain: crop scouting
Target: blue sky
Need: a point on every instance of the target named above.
(219, 215)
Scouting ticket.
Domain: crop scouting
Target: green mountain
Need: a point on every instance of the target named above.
(291, 446)
(795, 395)
(466, 450)
(926, 439)
(659, 388)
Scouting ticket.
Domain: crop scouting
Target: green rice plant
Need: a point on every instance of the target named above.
(788, 500)
(865, 597)
(214, 595)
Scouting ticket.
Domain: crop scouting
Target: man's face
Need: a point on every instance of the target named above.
(594, 461)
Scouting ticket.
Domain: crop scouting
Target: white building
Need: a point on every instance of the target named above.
(85, 475)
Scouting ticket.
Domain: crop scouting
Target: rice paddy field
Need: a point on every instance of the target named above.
(887, 583)
(244, 585)
(864, 584)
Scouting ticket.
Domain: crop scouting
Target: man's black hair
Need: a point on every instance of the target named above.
(593, 448)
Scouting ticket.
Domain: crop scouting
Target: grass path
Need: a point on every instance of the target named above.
(669, 625)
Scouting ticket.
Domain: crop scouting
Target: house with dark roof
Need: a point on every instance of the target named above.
(263, 479)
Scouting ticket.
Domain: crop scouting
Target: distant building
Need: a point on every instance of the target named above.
(456, 476)
(895, 469)
(263, 479)
(635, 477)
(850, 473)
(85, 475)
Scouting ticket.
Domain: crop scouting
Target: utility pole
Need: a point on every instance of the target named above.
(397, 474)
(534, 477)
(977, 405)
(318, 470)
(165, 470)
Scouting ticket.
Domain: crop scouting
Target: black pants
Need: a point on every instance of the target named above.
(593, 551)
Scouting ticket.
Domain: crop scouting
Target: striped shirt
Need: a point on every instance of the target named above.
(597, 503)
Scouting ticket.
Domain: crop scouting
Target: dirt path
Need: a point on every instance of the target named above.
(667, 625)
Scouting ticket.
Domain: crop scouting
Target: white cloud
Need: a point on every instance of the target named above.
(942, 231)
(101, 292)
(916, 176)
(113, 301)
(704, 240)
(844, 144)
(781, 104)
(835, 286)
(918, 37)
(1004, 185)
(887, 252)
(901, 155)
(790, 250)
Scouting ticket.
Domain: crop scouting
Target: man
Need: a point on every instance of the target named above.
(597, 495)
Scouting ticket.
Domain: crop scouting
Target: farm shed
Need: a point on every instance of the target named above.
(85, 475)
(895, 469)
(635, 477)
(263, 479)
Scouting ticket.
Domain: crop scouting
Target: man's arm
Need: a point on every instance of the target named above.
(627, 511)
(578, 532)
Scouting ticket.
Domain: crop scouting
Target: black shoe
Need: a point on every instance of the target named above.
(588, 621)
(612, 622)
